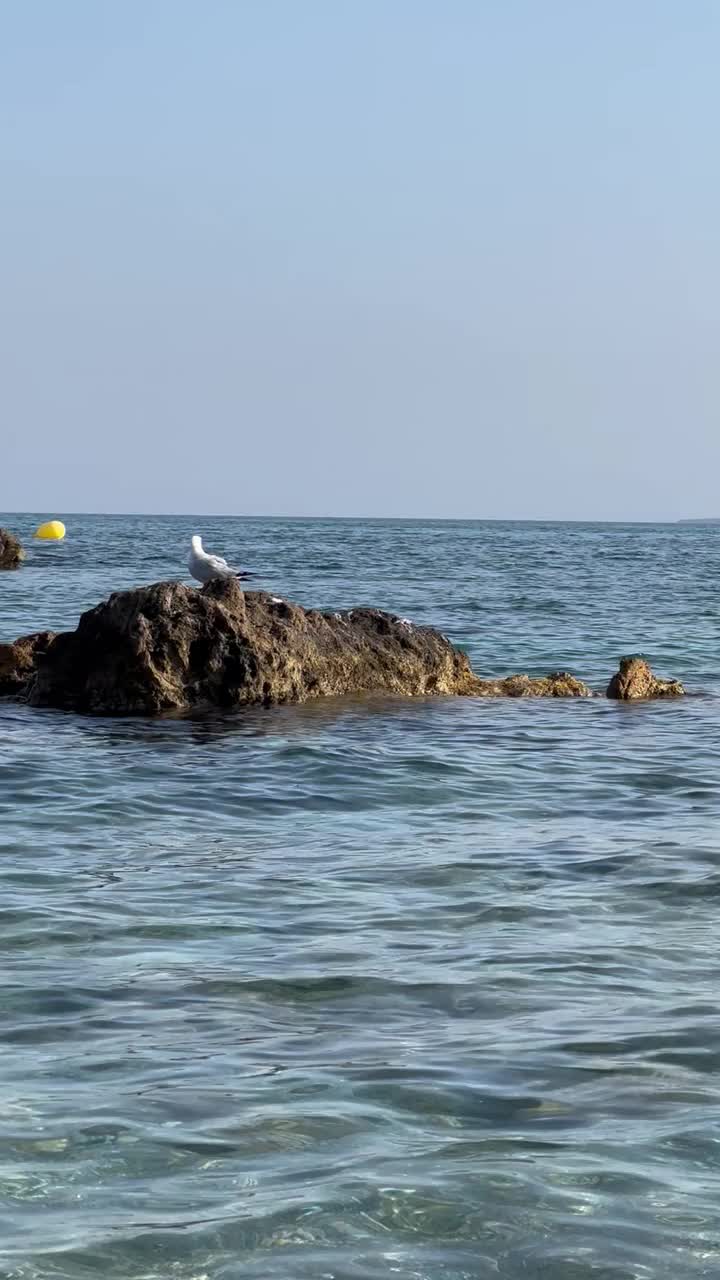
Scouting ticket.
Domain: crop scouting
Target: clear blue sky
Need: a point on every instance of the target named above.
(383, 257)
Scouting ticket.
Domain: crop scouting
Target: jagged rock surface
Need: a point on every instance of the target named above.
(636, 680)
(18, 661)
(11, 552)
(171, 647)
(559, 685)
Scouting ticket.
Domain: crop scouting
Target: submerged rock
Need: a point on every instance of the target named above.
(11, 552)
(18, 661)
(559, 685)
(635, 679)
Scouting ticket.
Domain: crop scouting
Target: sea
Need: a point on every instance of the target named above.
(419, 989)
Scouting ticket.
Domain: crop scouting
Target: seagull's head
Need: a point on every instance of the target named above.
(196, 541)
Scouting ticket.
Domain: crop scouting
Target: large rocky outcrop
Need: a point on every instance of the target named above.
(169, 647)
(18, 661)
(636, 680)
(11, 552)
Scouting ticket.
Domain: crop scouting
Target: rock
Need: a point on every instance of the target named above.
(18, 661)
(169, 647)
(559, 685)
(11, 552)
(636, 680)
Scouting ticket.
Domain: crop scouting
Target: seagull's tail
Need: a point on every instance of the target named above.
(243, 573)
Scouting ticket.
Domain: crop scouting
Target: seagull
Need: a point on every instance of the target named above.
(205, 567)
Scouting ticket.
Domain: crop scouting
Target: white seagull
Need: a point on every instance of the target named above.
(205, 567)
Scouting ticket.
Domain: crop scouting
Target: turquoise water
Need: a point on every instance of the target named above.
(420, 989)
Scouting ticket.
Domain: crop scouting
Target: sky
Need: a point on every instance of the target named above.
(441, 258)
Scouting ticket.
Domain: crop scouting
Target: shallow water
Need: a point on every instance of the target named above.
(424, 989)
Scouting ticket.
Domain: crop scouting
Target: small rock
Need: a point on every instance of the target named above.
(11, 552)
(18, 661)
(558, 685)
(635, 680)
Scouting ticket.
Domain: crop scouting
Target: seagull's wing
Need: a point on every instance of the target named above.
(218, 565)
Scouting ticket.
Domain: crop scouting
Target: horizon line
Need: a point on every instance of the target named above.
(225, 515)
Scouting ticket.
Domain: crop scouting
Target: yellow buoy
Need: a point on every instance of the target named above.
(51, 531)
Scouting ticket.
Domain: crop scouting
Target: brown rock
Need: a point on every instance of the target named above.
(11, 552)
(170, 647)
(18, 661)
(636, 680)
(559, 685)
